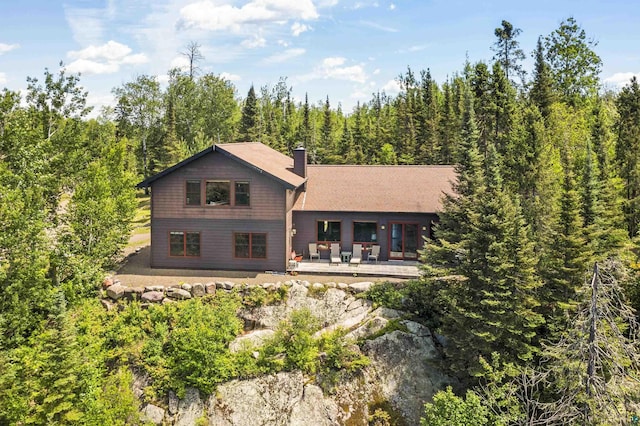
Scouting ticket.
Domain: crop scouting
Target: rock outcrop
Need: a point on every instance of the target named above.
(401, 377)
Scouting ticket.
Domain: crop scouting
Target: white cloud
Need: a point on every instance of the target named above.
(209, 15)
(3, 78)
(254, 43)
(297, 28)
(284, 56)
(283, 43)
(332, 68)
(230, 77)
(392, 6)
(4, 48)
(621, 79)
(376, 71)
(104, 59)
(181, 62)
(86, 66)
(391, 87)
(380, 27)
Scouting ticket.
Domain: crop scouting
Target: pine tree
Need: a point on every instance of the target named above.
(542, 92)
(491, 309)
(628, 152)
(508, 52)
(565, 261)
(249, 131)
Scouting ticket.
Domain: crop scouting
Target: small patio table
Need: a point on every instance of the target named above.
(345, 256)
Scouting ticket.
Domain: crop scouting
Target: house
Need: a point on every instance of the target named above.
(245, 206)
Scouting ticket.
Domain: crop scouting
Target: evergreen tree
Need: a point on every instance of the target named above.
(508, 52)
(250, 120)
(564, 263)
(542, 92)
(628, 152)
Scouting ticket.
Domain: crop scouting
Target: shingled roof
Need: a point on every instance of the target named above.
(409, 189)
(254, 155)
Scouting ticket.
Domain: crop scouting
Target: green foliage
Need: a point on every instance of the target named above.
(447, 409)
(387, 294)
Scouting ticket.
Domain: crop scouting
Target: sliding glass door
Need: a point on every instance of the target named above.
(404, 241)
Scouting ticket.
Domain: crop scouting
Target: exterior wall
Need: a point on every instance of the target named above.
(267, 195)
(217, 244)
(217, 224)
(305, 224)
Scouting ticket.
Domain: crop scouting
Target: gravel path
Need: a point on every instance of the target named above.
(135, 272)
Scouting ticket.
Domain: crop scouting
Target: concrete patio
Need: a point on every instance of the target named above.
(392, 268)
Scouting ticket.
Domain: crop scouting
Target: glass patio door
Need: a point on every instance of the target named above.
(404, 241)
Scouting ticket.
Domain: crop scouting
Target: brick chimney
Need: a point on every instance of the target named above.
(300, 161)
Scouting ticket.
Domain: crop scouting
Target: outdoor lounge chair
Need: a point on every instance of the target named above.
(334, 257)
(356, 257)
(375, 252)
(313, 251)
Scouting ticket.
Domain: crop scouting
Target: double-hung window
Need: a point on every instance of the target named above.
(184, 244)
(242, 193)
(193, 193)
(250, 245)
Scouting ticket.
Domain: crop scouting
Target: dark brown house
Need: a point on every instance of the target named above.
(246, 206)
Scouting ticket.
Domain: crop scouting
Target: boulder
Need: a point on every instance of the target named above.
(173, 403)
(115, 291)
(360, 287)
(106, 303)
(317, 286)
(133, 293)
(154, 288)
(152, 413)
(152, 296)
(190, 408)
(107, 282)
(250, 340)
(178, 293)
(186, 287)
(210, 288)
(197, 290)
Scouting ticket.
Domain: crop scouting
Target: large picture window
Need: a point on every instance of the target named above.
(242, 194)
(250, 245)
(185, 244)
(365, 232)
(217, 192)
(193, 193)
(328, 231)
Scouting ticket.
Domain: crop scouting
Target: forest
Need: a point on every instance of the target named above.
(533, 277)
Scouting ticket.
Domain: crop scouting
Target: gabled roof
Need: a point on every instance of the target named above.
(409, 189)
(254, 155)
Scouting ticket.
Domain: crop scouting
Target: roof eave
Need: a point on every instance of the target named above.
(257, 169)
(148, 181)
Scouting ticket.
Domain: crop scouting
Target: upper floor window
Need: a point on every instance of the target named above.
(217, 192)
(193, 193)
(329, 230)
(242, 193)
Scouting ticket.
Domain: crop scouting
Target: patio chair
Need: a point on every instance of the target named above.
(375, 252)
(313, 251)
(334, 256)
(356, 257)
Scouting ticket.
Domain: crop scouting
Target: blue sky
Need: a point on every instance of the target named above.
(346, 50)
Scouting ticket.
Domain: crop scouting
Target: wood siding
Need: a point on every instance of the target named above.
(168, 193)
(217, 224)
(217, 244)
(305, 224)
